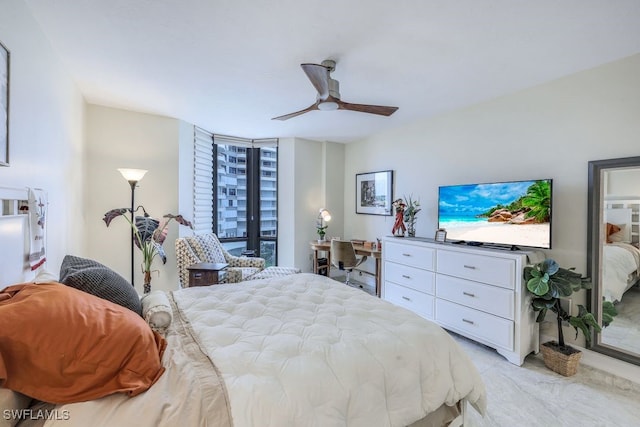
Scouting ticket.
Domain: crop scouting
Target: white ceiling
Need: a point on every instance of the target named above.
(229, 66)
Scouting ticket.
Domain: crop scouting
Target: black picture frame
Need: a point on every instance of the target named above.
(5, 57)
(374, 193)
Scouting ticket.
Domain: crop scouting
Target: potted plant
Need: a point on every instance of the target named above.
(411, 210)
(149, 236)
(321, 230)
(549, 283)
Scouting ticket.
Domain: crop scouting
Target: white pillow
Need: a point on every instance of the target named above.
(156, 311)
(620, 236)
(45, 276)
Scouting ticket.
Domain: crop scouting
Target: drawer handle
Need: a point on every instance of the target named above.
(471, 267)
(468, 294)
(406, 254)
(468, 321)
(197, 275)
(406, 298)
(406, 277)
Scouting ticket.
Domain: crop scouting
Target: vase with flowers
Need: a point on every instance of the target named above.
(149, 235)
(412, 207)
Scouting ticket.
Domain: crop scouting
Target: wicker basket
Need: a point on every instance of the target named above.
(559, 362)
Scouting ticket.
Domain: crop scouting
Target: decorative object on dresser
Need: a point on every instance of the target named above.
(441, 235)
(475, 292)
(321, 227)
(149, 236)
(549, 283)
(4, 105)
(410, 213)
(374, 193)
(399, 228)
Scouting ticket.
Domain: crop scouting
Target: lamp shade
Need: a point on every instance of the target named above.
(132, 174)
(324, 215)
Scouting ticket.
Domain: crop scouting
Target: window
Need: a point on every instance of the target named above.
(236, 192)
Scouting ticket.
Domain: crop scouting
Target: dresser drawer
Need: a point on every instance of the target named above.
(480, 268)
(493, 329)
(418, 302)
(411, 277)
(415, 256)
(490, 299)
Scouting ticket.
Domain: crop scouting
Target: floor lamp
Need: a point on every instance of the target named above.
(133, 176)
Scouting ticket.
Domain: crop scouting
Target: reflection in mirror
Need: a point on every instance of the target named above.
(614, 253)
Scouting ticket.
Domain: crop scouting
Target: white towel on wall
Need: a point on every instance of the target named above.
(37, 216)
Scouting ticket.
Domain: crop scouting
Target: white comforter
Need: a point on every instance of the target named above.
(619, 261)
(297, 351)
(309, 351)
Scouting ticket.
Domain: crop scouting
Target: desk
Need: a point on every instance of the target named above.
(360, 250)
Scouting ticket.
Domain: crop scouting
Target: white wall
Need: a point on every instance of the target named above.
(310, 177)
(125, 139)
(550, 131)
(46, 130)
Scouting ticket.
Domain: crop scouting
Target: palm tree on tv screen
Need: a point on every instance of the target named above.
(538, 199)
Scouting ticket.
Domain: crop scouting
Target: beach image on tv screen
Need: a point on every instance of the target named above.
(507, 213)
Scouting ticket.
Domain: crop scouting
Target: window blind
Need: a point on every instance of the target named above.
(203, 181)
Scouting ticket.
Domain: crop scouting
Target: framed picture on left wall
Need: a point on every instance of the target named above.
(4, 105)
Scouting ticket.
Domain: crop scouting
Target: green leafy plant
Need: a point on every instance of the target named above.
(410, 211)
(149, 235)
(548, 283)
(321, 230)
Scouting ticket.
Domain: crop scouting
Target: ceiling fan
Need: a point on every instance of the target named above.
(328, 98)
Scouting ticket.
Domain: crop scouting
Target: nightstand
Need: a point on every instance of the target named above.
(206, 273)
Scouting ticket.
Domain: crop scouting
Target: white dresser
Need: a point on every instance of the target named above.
(473, 291)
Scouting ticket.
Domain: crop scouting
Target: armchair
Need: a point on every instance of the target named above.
(207, 248)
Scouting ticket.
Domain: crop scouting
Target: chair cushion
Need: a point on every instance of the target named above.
(97, 279)
(185, 257)
(207, 248)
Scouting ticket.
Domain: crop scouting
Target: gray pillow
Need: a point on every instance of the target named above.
(94, 278)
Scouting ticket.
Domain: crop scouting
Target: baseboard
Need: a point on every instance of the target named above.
(603, 362)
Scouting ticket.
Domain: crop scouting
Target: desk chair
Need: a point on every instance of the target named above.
(343, 256)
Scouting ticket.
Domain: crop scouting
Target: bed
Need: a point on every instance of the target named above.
(620, 255)
(291, 351)
(286, 351)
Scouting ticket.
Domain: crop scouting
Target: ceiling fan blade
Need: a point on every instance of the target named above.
(297, 113)
(319, 76)
(380, 110)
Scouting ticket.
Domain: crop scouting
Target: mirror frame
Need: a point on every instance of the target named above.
(594, 296)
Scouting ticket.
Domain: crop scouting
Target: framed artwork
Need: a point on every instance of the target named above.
(374, 193)
(4, 105)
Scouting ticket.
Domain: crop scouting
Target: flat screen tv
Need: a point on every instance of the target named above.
(512, 214)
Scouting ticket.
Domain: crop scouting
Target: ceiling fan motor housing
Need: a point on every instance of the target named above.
(334, 89)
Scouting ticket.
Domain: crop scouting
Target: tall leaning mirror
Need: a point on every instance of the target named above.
(613, 250)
